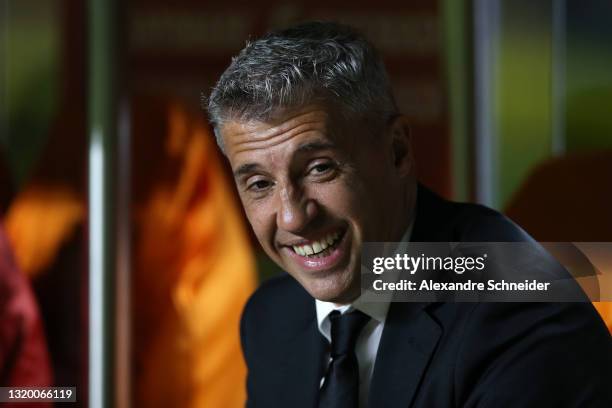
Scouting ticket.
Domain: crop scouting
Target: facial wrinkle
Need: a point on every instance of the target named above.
(253, 138)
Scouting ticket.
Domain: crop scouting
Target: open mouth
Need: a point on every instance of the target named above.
(321, 247)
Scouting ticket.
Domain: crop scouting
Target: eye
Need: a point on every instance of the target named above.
(320, 168)
(259, 185)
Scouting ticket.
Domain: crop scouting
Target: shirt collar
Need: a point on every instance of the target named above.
(375, 310)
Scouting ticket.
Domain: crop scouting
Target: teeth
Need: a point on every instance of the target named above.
(317, 246)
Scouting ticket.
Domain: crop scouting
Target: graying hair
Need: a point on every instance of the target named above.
(310, 62)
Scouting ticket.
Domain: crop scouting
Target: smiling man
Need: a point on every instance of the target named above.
(307, 188)
(322, 161)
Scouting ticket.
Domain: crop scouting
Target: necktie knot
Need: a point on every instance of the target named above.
(345, 329)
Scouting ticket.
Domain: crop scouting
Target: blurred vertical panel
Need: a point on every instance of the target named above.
(101, 201)
(123, 284)
(4, 31)
(558, 76)
(6, 181)
(519, 73)
(457, 31)
(523, 91)
(589, 75)
(486, 38)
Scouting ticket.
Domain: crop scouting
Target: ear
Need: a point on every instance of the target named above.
(401, 146)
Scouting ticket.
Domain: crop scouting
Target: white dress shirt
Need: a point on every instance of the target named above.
(366, 348)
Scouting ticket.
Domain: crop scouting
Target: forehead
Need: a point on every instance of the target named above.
(283, 134)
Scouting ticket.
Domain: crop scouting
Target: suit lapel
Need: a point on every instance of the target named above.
(408, 341)
(410, 335)
(302, 368)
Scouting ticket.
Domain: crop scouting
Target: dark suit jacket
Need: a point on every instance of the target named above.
(438, 354)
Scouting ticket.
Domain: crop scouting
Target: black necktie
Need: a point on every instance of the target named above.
(341, 386)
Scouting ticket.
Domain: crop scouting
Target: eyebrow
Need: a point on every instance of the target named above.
(245, 169)
(314, 146)
(303, 148)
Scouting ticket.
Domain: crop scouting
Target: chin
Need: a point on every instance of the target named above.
(334, 290)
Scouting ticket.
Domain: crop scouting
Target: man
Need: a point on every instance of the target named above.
(322, 162)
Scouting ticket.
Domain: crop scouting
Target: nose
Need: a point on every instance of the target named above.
(295, 211)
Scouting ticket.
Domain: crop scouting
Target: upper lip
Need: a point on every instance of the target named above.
(318, 236)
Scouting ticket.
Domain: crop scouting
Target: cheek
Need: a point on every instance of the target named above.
(342, 199)
(378, 187)
(262, 220)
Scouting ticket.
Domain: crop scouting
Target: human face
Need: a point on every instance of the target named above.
(314, 188)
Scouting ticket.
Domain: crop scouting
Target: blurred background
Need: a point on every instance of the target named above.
(125, 258)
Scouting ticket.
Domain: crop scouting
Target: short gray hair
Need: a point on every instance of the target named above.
(310, 62)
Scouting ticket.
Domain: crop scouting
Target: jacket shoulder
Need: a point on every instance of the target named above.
(277, 295)
(277, 310)
(477, 222)
(503, 341)
(438, 219)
